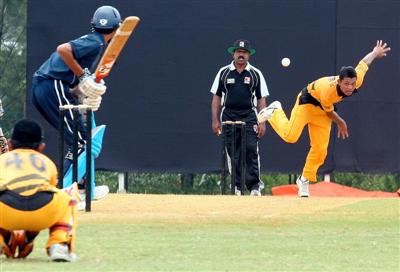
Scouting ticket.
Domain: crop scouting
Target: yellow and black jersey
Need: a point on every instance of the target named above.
(26, 171)
(325, 88)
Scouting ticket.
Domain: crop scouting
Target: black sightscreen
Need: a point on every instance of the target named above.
(157, 105)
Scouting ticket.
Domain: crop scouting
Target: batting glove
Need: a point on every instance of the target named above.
(92, 102)
(90, 88)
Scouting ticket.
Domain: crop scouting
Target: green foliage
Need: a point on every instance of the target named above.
(370, 182)
(209, 184)
(12, 61)
(150, 183)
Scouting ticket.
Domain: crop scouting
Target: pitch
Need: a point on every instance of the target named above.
(128, 232)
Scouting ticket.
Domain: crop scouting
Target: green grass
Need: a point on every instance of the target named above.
(358, 237)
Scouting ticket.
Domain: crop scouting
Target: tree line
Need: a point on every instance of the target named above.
(12, 61)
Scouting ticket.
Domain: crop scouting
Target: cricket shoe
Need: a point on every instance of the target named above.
(60, 253)
(257, 190)
(266, 113)
(81, 205)
(237, 191)
(302, 184)
(99, 192)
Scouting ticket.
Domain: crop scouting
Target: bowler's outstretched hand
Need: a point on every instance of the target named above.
(381, 49)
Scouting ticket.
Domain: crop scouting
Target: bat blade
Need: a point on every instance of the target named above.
(115, 47)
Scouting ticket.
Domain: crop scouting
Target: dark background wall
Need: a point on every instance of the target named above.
(157, 106)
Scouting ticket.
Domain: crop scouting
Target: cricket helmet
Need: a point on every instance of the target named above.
(106, 18)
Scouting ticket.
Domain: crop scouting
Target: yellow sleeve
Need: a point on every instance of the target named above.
(361, 70)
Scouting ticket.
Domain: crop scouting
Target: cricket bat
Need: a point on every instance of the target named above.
(115, 47)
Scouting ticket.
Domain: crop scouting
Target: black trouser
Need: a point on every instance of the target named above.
(252, 156)
(47, 96)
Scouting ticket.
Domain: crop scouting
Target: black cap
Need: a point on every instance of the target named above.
(242, 44)
(27, 133)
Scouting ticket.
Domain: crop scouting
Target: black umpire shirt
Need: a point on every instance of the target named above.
(239, 91)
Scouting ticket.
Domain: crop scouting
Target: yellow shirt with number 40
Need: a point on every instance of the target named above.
(26, 171)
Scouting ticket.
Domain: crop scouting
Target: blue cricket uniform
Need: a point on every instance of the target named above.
(52, 82)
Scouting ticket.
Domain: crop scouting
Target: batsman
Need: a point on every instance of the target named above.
(66, 78)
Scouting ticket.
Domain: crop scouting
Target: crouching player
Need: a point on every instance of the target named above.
(30, 201)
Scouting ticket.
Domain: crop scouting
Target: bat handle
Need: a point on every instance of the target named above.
(97, 79)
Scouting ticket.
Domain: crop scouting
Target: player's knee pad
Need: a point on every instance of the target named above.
(4, 249)
(25, 250)
(19, 244)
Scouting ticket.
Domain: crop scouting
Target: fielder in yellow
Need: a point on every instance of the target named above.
(315, 107)
(30, 201)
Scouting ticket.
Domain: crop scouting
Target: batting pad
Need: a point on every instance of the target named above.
(97, 141)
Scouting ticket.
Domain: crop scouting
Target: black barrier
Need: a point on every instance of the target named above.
(157, 105)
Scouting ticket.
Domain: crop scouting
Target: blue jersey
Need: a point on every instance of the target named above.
(87, 50)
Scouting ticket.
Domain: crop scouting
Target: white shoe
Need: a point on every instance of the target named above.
(257, 191)
(302, 184)
(99, 192)
(81, 205)
(266, 113)
(60, 253)
(237, 191)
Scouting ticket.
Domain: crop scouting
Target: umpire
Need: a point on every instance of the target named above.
(239, 92)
